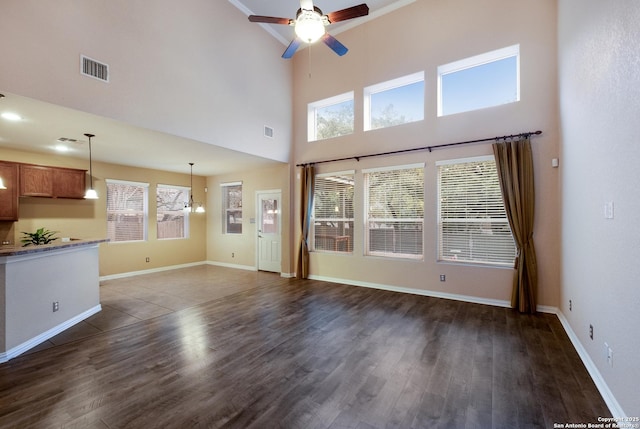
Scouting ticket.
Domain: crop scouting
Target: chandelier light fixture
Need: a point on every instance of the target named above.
(91, 193)
(191, 206)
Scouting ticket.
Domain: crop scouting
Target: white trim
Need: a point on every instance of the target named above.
(182, 188)
(231, 184)
(29, 344)
(337, 173)
(153, 270)
(394, 167)
(226, 265)
(127, 182)
(422, 292)
(613, 405)
(481, 158)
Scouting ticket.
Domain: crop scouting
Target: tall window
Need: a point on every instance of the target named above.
(333, 212)
(394, 211)
(472, 223)
(127, 210)
(485, 80)
(172, 218)
(395, 102)
(232, 207)
(331, 117)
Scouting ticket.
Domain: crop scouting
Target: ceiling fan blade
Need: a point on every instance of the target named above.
(292, 48)
(333, 43)
(269, 19)
(349, 13)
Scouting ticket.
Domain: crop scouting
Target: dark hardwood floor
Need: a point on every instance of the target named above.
(239, 349)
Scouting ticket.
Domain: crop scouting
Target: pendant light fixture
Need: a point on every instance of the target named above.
(191, 206)
(91, 194)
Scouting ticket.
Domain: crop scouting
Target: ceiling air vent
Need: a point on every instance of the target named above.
(92, 68)
(268, 132)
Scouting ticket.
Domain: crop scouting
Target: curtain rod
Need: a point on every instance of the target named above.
(429, 148)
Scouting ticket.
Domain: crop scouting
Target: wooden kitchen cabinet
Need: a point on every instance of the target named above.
(9, 196)
(52, 182)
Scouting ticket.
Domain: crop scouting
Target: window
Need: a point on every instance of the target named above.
(486, 80)
(472, 223)
(333, 212)
(127, 210)
(394, 211)
(232, 206)
(331, 117)
(395, 102)
(172, 218)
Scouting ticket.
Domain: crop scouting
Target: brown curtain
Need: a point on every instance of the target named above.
(514, 163)
(306, 205)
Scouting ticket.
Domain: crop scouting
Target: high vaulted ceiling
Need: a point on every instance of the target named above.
(42, 124)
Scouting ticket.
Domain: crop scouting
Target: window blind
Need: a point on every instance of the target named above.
(472, 223)
(127, 210)
(395, 211)
(332, 226)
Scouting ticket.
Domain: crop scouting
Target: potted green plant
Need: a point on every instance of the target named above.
(41, 236)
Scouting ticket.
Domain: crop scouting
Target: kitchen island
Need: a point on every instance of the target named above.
(45, 290)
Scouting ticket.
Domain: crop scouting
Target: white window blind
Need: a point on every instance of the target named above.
(333, 212)
(172, 218)
(394, 211)
(232, 207)
(127, 210)
(472, 223)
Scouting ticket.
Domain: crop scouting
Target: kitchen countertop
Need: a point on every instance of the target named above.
(58, 244)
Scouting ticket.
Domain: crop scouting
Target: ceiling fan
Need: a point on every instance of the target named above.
(309, 25)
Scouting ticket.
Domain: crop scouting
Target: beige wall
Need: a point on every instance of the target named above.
(599, 92)
(87, 218)
(418, 37)
(221, 246)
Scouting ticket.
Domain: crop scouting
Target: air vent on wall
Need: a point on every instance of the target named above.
(268, 132)
(92, 68)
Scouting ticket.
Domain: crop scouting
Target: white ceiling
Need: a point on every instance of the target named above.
(42, 124)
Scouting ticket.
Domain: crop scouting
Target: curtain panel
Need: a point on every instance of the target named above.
(514, 162)
(306, 206)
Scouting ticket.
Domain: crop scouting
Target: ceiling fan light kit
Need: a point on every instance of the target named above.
(309, 25)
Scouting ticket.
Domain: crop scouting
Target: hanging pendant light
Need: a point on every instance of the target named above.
(91, 194)
(191, 206)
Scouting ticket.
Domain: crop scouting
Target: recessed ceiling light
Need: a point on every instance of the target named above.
(10, 116)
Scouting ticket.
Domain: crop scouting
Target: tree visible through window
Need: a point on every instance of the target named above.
(127, 210)
(472, 223)
(232, 207)
(172, 218)
(333, 212)
(331, 117)
(395, 211)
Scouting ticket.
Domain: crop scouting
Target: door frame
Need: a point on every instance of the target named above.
(257, 217)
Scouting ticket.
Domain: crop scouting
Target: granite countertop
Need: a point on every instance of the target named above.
(58, 244)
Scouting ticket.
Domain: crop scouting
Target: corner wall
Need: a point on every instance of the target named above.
(599, 92)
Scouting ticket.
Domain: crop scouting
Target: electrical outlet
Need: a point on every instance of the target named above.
(591, 331)
(147, 259)
(443, 278)
(570, 305)
(56, 306)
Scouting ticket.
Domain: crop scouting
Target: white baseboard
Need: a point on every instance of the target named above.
(29, 344)
(227, 265)
(150, 271)
(613, 405)
(423, 292)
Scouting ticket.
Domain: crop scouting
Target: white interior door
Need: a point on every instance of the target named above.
(269, 236)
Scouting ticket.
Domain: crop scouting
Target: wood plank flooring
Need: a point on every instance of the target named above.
(239, 349)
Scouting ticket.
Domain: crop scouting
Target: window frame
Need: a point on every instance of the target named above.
(367, 219)
(493, 221)
(145, 209)
(338, 244)
(185, 212)
(476, 61)
(312, 117)
(389, 85)
(225, 188)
